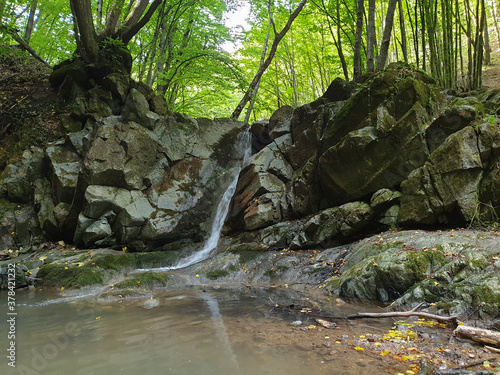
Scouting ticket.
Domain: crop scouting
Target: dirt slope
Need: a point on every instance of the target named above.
(27, 114)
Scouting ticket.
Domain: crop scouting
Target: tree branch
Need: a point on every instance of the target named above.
(256, 80)
(412, 312)
(130, 32)
(25, 46)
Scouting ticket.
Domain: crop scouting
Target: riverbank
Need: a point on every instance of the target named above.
(455, 272)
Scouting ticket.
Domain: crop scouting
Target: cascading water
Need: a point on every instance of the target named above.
(221, 213)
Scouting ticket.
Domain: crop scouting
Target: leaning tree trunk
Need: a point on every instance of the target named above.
(256, 80)
(386, 38)
(262, 60)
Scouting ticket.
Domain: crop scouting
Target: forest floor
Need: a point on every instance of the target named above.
(491, 76)
(27, 104)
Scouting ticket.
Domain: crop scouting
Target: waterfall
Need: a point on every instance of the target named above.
(222, 210)
(244, 144)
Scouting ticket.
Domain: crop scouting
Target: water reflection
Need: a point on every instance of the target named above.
(220, 331)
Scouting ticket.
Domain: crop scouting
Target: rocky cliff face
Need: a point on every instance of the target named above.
(126, 172)
(391, 151)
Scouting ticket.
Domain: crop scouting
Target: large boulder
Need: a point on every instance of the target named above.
(378, 137)
(136, 178)
(456, 184)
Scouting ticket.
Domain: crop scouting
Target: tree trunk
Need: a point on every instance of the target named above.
(31, 21)
(22, 43)
(99, 15)
(487, 47)
(357, 41)
(262, 59)
(134, 23)
(83, 18)
(371, 37)
(256, 80)
(479, 46)
(404, 47)
(386, 38)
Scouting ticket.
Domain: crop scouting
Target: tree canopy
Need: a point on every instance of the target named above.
(288, 56)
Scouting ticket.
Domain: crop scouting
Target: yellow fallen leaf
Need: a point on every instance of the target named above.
(97, 318)
(359, 348)
(42, 258)
(62, 288)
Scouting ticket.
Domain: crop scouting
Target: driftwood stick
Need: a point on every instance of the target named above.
(472, 364)
(481, 335)
(399, 314)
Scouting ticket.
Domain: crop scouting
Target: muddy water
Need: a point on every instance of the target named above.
(192, 332)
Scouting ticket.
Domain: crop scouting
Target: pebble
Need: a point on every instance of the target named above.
(151, 303)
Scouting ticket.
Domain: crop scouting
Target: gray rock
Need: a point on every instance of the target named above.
(118, 84)
(65, 168)
(137, 110)
(280, 122)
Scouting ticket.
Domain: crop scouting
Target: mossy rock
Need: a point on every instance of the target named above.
(215, 274)
(145, 279)
(114, 262)
(246, 252)
(156, 259)
(389, 275)
(57, 274)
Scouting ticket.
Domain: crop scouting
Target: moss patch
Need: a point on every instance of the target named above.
(114, 262)
(215, 274)
(156, 259)
(57, 274)
(146, 279)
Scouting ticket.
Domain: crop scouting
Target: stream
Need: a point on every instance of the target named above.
(191, 331)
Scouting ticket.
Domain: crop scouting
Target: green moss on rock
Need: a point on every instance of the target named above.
(156, 259)
(114, 262)
(145, 279)
(57, 274)
(215, 274)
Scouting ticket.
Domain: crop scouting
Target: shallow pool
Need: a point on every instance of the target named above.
(190, 332)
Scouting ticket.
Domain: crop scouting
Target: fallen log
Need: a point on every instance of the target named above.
(480, 335)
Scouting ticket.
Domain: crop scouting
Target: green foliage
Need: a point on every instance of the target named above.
(215, 274)
(180, 51)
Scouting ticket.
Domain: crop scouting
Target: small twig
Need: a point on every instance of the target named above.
(472, 364)
(19, 101)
